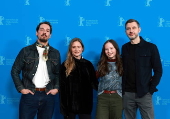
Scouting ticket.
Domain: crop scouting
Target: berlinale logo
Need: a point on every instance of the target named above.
(52, 21)
(2, 98)
(107, 38)
(87, 22)
(2, 58)
(108, 2)
(148, 3)
(148, 39)
(68, 39)
(42, 19)
(28, 40)
(157, 100)
(1, 19)
(161, 21)
(121, 20)
(81, 20)
(6, 21)
(67, 2)
(27, 2)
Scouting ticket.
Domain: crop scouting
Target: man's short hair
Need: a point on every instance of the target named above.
(130, 21)
(45, 22)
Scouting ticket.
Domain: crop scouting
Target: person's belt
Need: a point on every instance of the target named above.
(40, 89)
(109, 92)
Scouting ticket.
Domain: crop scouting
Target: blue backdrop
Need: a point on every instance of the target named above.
(94, 21)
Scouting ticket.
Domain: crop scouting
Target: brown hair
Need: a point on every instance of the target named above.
(70, 63)
(103, 63)
(130, 21)
(45, 22)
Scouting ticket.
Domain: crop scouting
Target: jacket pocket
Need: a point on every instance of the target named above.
(29, 64)
(145, 59)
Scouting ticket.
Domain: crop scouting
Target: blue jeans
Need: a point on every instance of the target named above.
(39, 103)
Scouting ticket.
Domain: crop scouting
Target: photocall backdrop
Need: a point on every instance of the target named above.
(94, 21)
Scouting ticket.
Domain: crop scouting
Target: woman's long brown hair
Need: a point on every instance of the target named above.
(70, 63)
(103, 63)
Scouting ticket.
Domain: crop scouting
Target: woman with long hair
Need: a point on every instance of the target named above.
(77, 82)
(109, 105)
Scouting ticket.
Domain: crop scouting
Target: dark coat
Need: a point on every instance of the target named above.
(147, 59)
(76, 90)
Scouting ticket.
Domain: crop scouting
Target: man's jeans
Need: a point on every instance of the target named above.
(39, 103)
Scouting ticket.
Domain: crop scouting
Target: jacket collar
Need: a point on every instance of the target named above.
(78, 59)
(142, 41)
(33, 47)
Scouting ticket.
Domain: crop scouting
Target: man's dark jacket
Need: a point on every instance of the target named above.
(147, 59)
(27, 62)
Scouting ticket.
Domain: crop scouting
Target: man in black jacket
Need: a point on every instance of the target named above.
(140, 58)
(39, 64)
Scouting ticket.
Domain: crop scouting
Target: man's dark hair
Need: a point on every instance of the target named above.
(45, 22)
(130, 21)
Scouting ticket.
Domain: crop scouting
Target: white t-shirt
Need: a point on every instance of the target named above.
(41, 77)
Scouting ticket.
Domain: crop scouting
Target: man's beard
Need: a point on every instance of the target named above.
(133, 37)
(43, 40)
